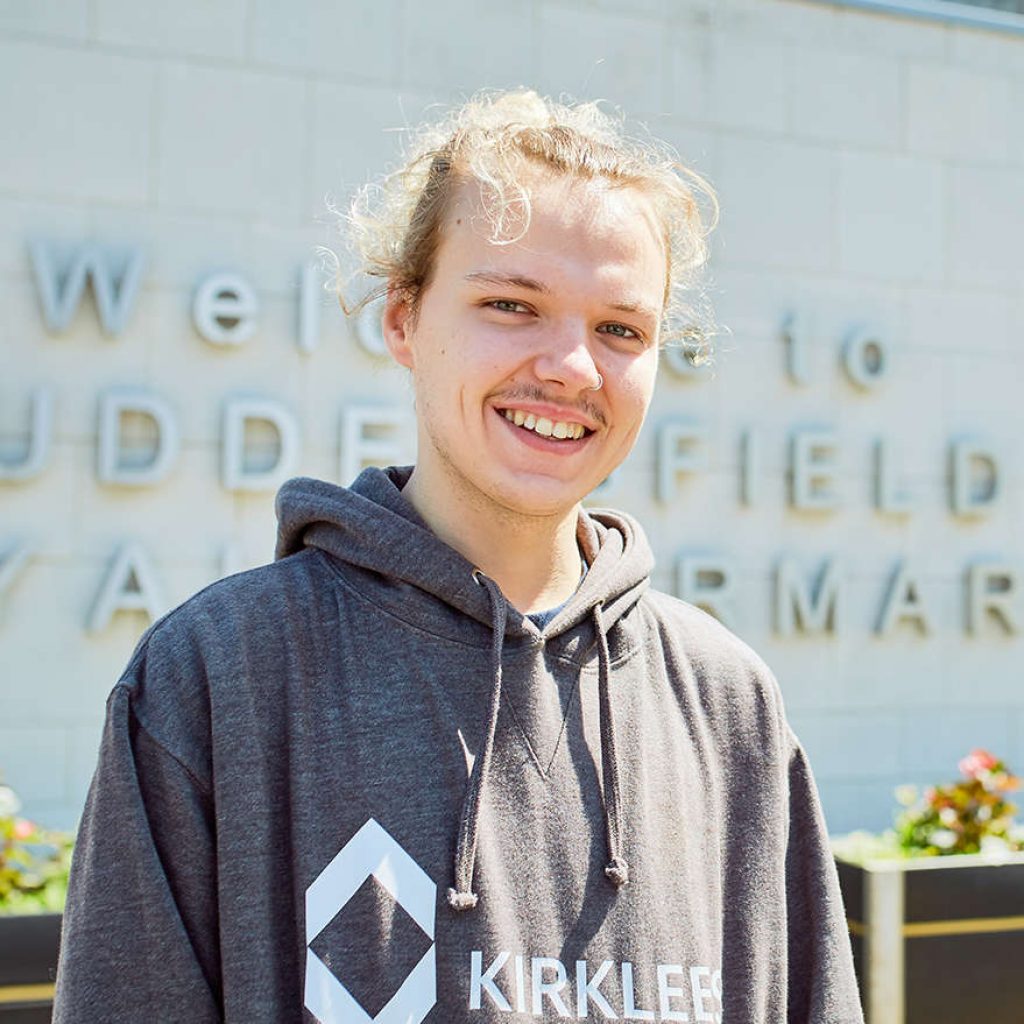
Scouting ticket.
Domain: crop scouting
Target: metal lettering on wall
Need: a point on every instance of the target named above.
(225, 309)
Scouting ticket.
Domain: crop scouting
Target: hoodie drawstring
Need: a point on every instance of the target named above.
(461, 895)
(616, 870)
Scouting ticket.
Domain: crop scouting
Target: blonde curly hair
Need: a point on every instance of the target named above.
(496, 139)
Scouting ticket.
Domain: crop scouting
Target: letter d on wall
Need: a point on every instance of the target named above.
(975, 484)
(117, 403)
(239, 414)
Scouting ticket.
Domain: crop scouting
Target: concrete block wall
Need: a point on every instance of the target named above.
(868, 168)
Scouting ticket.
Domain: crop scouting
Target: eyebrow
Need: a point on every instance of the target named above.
(516, 280)
(520, 281)
(635, 307)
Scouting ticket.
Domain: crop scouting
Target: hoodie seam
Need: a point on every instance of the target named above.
(518, 649)
(204, 787)
(360, 596)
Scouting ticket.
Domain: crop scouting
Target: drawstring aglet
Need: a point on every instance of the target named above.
(461, 900)
(617, 872)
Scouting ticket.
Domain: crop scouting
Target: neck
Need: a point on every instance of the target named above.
(535, 560)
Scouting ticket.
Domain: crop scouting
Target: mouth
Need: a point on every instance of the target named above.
(555, 430)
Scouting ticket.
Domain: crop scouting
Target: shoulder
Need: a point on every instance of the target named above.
(732, 684)
(238, 609)
(707, 642)
(214, 641)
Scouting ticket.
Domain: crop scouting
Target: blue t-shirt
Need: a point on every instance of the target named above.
(541, 619)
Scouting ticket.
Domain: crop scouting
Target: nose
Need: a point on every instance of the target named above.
(567, 359)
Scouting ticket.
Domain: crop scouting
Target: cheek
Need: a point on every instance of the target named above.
(480, 358)
(638, 383)
(432, 355)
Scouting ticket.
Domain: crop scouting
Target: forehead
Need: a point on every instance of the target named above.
(586, 233)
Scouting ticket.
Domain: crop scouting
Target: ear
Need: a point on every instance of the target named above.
(396, 326)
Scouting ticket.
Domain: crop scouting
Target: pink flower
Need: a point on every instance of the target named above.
(23, 828)
(977, 763)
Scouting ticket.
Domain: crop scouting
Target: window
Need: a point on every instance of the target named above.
(1016, 6)
(1007, 15)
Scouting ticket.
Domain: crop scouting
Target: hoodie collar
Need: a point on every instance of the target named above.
(371, 525)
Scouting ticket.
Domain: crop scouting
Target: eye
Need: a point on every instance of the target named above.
(508, 306)
(620, 331)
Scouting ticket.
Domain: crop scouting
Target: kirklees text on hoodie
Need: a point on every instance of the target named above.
(356, 785)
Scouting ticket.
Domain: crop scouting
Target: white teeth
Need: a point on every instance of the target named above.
(545, 427)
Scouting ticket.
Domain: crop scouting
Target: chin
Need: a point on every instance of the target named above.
(546, 498)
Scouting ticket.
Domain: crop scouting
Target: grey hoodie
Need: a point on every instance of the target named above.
(356, 785)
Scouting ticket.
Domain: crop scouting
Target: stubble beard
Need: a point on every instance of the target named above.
(494, 504)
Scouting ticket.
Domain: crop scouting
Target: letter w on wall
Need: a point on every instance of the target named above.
(115, 284)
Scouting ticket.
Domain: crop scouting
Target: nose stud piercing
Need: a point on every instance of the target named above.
(598, 385)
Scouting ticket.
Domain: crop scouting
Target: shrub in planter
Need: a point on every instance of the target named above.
(968, 816)
(936, 906)
(34, 864)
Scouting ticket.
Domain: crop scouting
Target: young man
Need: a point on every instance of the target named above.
(449, 759)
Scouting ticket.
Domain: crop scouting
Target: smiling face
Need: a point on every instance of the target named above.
(508, 342)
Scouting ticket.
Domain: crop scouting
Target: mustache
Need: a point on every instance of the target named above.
(533, 393)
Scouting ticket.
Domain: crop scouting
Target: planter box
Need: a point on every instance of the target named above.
(938, 940)
(28, 965)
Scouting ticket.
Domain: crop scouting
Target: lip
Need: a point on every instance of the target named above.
(542, 444)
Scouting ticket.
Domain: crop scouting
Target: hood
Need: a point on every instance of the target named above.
(372, 526)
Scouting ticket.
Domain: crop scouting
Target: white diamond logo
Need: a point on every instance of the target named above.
(370, 852)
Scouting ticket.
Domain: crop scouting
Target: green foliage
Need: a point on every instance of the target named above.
(34, 862)
(968, 816)
(863, 847)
